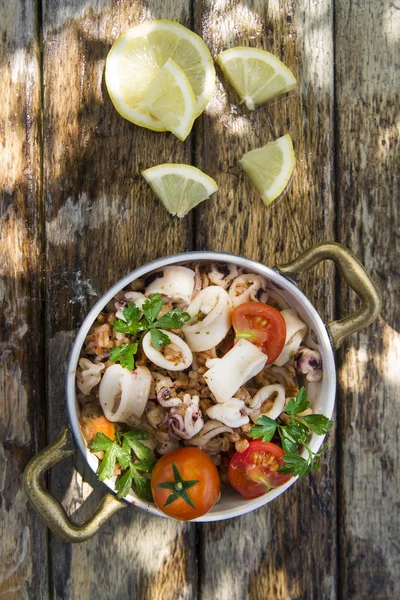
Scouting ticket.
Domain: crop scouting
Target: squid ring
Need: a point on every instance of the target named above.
(175, 363)
(215, 303)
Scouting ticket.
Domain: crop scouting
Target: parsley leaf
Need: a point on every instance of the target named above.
(124, 484)
(131, 313)
(174, 319)
(295, 464)
(318, 423)
(100, 443)
(289, 445)
(113, 453)
(118, 351)
(146, 465)
(294, 407)
(152, 307)
(121, 450)
(133, 475)
(265, 429)
(159, 339)
(127, 361)
(125, 354)
(133, 323)
(131, 439)
(122, 327)
(298, 431)
(136, 434)
(142, 484)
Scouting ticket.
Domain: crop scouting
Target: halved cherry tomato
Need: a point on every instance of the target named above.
(185, 483)
(254, 471)
(262, 325)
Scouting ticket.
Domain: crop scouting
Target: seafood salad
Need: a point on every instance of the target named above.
(192, 379)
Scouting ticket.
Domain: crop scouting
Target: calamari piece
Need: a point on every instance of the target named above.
(176, 283)
(248, 287)
(189, 424)
(286, 373)
(123, 394)
(276, 300)
(210, 430)
(165, 390)
(226, 375)
(309, 363)
(177, 356)
(296, 329)
(169, 402)
(229, 413)
(262, 395)
(222, 274)
(201, 281)
(137, 297)
(197, 281)
(88, 375)
(214, 307)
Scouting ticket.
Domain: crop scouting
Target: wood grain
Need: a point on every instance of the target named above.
(368, 176)
(23, 537)
(102, 221)
(99, 220)
(271, 553)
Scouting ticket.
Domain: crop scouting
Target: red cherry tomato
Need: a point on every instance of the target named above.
(262, 325)
(254, 471)
(185, 483)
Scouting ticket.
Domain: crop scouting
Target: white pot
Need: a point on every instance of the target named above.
(321, 395)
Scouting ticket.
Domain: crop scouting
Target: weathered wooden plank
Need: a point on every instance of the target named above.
(272, 553)
(101, 222)
(368, 178)
(23, 537)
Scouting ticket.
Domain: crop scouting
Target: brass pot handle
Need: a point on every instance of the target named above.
(50, 510)
(355, 275)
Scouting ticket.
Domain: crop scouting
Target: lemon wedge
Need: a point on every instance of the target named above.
(179, 187)
(136, 58)
(256, 75)
(270, 168)
(171, 100)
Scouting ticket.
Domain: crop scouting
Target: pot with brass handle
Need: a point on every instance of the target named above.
(283, 280)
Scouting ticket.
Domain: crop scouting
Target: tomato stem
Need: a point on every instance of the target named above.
(178, 487)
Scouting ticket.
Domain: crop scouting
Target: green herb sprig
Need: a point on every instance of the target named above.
(133, 457)
(294, 435)
(125, 354)
(138, 323)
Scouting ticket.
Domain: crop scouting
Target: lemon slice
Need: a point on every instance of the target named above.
(171, 100)
(270, 168)
(179, 187)
(256, 75)
(138, 55)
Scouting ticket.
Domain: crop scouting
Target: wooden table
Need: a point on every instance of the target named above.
(76, 215)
